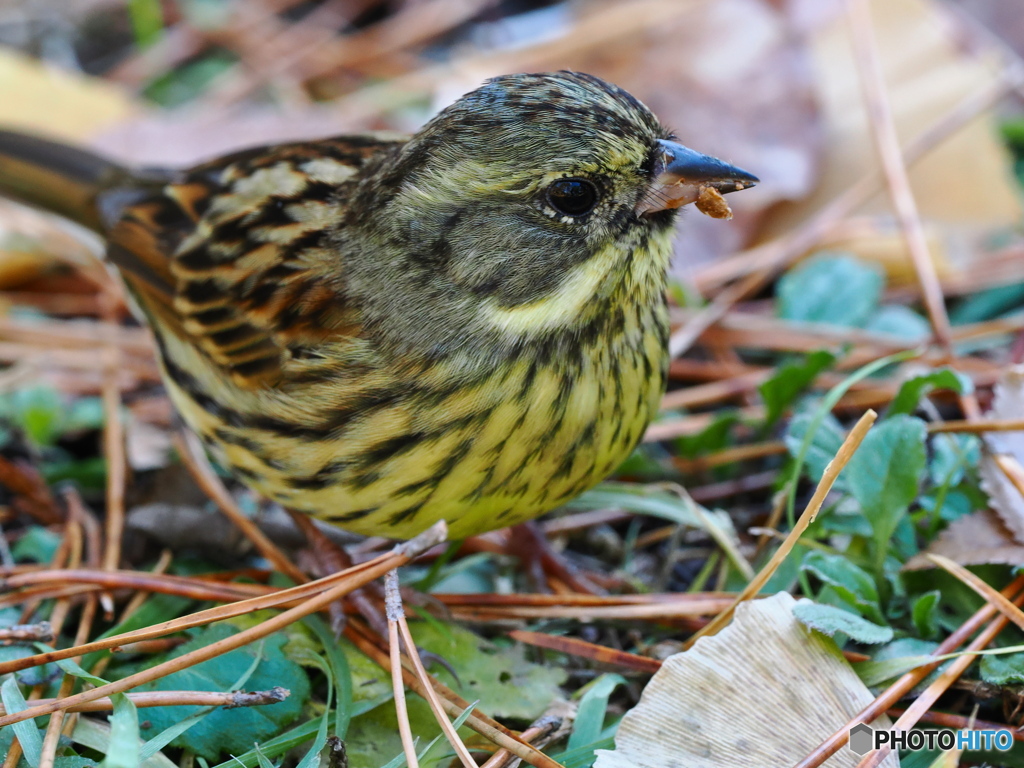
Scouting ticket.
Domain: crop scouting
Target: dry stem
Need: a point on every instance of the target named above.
(842, 457)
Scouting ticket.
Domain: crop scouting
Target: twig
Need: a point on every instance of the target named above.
(353, 578)
(730, 455)
(51, 741)
(393, 605)
(138, 597)
(988, 593)
(403, 553)
(113, 450)
(198, 589)
(581, 648)
(453, 704)
(394, 597)
(977, 427)
(653, 612)
(842, 457)
(182, 699)
(541, 731)
(883, 128)
(26, 633)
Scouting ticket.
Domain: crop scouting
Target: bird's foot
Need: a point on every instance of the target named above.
(548, 569)
(328, 557)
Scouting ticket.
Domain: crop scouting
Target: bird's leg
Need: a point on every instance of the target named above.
(331, 558)
(540, 560)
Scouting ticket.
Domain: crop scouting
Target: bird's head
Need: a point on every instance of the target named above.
(537, 192)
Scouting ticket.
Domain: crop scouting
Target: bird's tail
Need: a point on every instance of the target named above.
(71, 182)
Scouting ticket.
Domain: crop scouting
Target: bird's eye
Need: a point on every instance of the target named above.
(572, 197)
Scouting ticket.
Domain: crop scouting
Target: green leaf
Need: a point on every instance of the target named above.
(925, 614)
(89, 474)
(637, 498)
(312, 757)
(828, 620)
(373, 738)
(147, 19)
(901, 322)
(782, 389)
(954, 505)
(1013, 133)
(36, 545)
(884, 475)
(873, 672)
(820, 413)
(123, 750)
(123, 744)
(295, 737)
(229, 730)
(506, 684)
(832, 289)
(988, 305)
(86, 413)
(262, 760)
(714, 437)
(853, 584)
(26, 730)
(340, 671)
(165, 737)
(951, 456)
(188, 81)
(583, 757)
(823, 446)
(903, 651)
(912, 390)
(593, 706)
(39, 411)
(95, 735)
(157, 609)
(1003, 670)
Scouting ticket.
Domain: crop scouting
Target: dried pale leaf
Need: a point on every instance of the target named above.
(43, 99)
(765, 691)
(147, 445)
(1005, 498)
(975, 539)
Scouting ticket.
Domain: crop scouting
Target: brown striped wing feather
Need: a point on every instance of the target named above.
(236, 255)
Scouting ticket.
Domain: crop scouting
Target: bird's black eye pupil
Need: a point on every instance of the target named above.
(572, 197)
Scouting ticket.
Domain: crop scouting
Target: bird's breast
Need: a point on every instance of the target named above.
(390, 450)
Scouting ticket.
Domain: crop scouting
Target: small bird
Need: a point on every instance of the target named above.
(468, 324)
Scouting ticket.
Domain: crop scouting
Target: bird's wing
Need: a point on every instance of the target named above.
(240, 256)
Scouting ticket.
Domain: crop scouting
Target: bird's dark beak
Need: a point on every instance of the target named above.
(681, 175)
